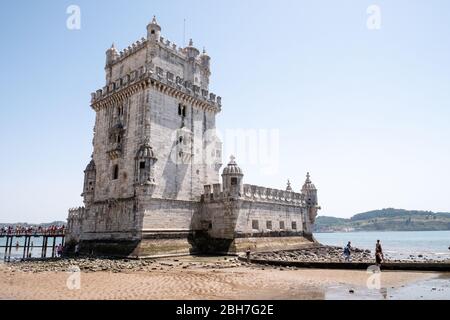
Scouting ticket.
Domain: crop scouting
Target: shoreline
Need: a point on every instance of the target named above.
(207, 278)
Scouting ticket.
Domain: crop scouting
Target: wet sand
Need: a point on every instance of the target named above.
(227, 283)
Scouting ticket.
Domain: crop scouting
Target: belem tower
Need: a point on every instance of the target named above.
(155, 186)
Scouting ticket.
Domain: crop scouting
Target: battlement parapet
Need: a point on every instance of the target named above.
(255, 193)
(213, 192)
(131, 49)
(136, 46)
(163, 77)
(76, 213)
(264, 194)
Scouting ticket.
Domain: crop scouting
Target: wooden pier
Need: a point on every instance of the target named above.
(48, 241)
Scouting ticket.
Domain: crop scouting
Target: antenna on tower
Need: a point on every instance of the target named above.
(184, 32)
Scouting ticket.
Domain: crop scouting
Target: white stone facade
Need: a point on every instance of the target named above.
(153, 185)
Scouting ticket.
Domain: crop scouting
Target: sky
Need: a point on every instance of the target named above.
(366, 111)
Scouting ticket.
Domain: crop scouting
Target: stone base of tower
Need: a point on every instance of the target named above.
(136, 249)
(192, 243)
(109, 248)
(204, 244)
(151, 244)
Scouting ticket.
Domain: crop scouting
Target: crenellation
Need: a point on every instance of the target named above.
(164, 78)
(255, 193)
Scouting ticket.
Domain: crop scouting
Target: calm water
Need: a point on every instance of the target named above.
(35, 252)
(398, 245)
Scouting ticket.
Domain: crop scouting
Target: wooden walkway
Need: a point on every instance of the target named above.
(48, 241)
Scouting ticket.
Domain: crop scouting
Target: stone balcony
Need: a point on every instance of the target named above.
(115, 150)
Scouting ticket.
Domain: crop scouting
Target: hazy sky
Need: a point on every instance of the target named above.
(365, 111)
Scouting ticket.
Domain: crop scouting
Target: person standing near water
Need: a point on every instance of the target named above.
(347, 252)
(379, 256)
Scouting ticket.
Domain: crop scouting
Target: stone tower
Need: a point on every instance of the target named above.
(154, 141)
(153, 185)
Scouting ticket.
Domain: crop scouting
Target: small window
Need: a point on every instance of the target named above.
(234, 181)
(152, 32)
(269, 225)
(181, 110)
(116, 172)
(281, 225)
(294, 225)
(142, 165)
(255, 225)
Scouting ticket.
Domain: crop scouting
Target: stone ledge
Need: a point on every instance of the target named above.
(441, 267)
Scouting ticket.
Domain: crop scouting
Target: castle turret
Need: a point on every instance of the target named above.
(309, 193)
(191, 51)
(89, 183)
(232, 179)
(145, 160)
(111, 55)
(205, 60)
(153, 30)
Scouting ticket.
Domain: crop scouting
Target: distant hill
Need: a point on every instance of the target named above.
(386, 220)
(55, 223)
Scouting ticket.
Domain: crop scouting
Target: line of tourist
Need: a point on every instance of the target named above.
(32, 230)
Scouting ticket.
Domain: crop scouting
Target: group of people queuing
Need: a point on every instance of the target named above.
(33, 230)
(379, 256)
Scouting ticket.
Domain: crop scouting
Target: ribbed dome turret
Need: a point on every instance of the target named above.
(146, 152)
(232, 168)
(308, 184)
(153, 30)
(90, 166)
(191, 51)
(205, 59)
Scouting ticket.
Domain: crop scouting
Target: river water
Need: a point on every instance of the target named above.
(396, 244)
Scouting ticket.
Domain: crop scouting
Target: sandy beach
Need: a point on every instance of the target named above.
(197, 278)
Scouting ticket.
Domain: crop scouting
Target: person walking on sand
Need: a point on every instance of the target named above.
(347, 252)
(59, 250)
(379, 256)
(248, 253)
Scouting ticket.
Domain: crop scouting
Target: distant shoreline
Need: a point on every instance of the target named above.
(377, 231)
(390, 219)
